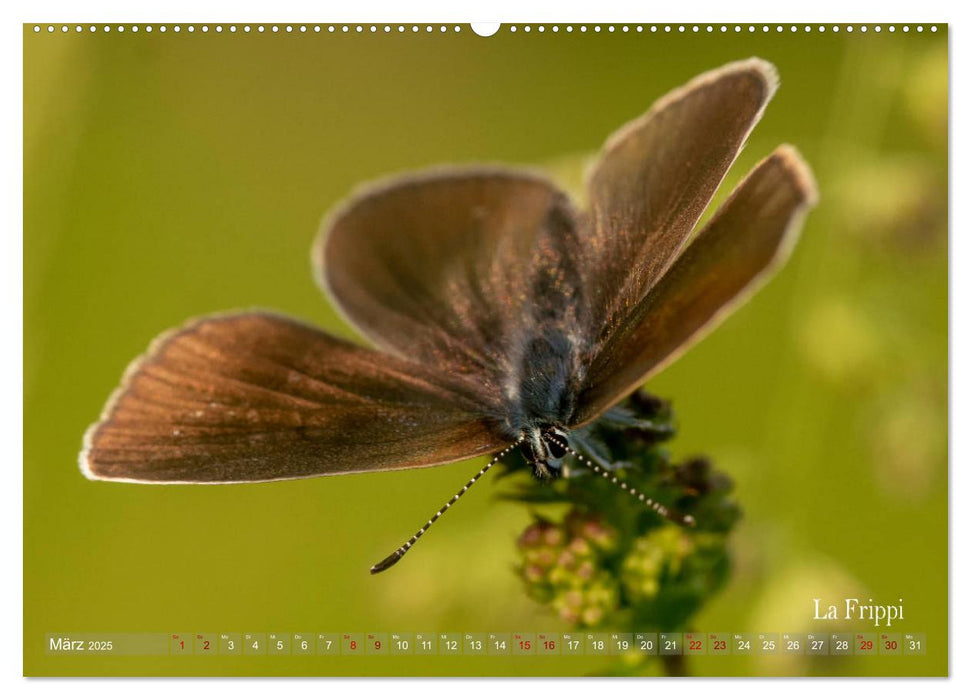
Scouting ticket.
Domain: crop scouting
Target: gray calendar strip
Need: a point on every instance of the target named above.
(376, 644)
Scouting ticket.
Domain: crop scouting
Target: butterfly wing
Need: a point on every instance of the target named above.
(258, 397)
(457, 269)
(486, 274)
(748, 238)
(657, 175)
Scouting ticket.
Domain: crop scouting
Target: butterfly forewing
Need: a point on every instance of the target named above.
(258, 397)
(656, 176)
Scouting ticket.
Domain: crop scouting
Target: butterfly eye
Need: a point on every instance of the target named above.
(556, 450)
(555, 441)
(556, 444)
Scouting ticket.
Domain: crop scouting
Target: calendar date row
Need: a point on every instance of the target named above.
(378, 644)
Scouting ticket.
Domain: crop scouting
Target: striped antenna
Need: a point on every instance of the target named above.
(649, 502)
(397, 554)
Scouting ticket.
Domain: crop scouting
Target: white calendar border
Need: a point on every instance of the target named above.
(818, 11)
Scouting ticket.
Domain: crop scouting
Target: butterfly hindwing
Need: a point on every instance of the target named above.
(748, 237)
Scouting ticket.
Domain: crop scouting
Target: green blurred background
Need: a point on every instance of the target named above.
(172, 175)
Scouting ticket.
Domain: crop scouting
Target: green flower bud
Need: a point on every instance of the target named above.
(561, 578)
(531, 536)
(660, 552)
(580, 547)
(592, 616)
(585, 570)
(554, 536)
(543, 557)
(533, 573)
(593, 572)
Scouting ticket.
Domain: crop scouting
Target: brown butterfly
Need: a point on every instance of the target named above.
(502, 316)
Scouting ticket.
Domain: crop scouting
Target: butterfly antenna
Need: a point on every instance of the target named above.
(658, 508)
(397, 554)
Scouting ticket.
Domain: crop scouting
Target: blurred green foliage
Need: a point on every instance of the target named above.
(172, 175)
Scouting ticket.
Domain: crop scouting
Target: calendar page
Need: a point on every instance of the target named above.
(492, 350)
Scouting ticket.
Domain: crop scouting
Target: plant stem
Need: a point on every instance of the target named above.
(675, 666)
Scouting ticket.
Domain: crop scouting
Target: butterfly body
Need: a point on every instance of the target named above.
(542, 388)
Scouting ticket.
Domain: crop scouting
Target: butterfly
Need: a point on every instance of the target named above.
(501, 315)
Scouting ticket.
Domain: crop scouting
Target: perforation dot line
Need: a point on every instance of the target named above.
(455, 29)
